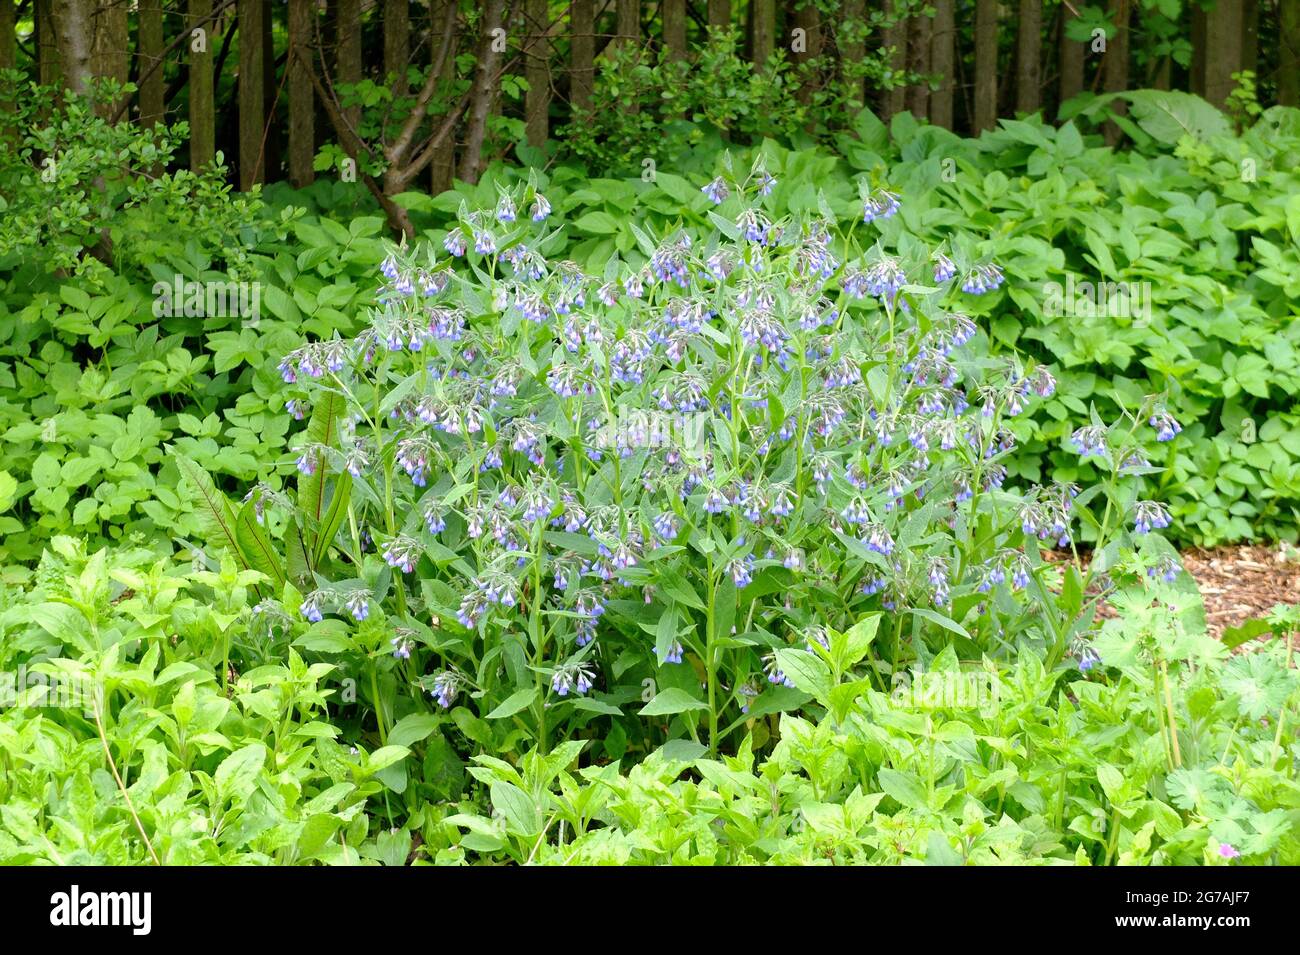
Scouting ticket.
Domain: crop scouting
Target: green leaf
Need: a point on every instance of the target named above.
(939, 851)
(522, 817)
(297, 566)
(238, 772)
(338, 510)
(323, 429)
(670, 701)
(515, 702)
(383, 757)
(904, 787)
(256, 546)
(807, 671)
(413, 728)
(215, 507)
(665, 632)
(1234, 637)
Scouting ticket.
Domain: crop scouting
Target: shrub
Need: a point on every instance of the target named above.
(1057, 768)
(559, 495)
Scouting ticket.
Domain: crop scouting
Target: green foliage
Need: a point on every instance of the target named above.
(136, 418)
(1058, 772)
(271, 760)
(94, 386)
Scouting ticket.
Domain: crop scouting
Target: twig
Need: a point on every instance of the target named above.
(103, 739)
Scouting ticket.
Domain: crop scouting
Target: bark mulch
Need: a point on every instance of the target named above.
(1238, 583)
(1241, 583)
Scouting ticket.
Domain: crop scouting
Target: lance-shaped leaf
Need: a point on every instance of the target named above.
(333, 519)
(322, 430)
(216, 511)
(257, 547)
(297, 565)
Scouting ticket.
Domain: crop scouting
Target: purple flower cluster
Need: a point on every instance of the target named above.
(825, 425)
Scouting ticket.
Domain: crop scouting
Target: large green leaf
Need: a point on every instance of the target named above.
(216, 510)
(257, 547)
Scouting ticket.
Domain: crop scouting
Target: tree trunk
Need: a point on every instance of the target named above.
(8, 59)
(302, 98)
(8, 39)
(986, 64)
(627, 26)
(271, 146)
(252, 98)
(1071, 60)
(941, 63)
(1196, 81)
(153, 82)
(397, 43)
(1288, 60)
(47, 45)
(1164, 74)
(203, 135)
(1115, 65)
(442, 168)
(674, 13)
(719, 14)
(807, 19)
(537, 70)
(851, 51)
(73, 22)
(895, 38)
(347, 55)
(763, 25)
(1029, 48)
(1222, 50)
(486, 82)
(918, 61)
(110, 54)
(582, 53)
(1250, 36)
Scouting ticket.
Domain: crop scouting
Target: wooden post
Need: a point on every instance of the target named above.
(153, 83)
(1029, 48)
(203, 135)
(537, 71)
(397, 42)
(302, 97)
(942, 45)
(251, 96)
(986, 65)
(348, 53)
(582, 53)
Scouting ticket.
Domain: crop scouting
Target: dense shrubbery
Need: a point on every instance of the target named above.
(628, 481)
(86, 363)
(658, 519)
(1010, 762)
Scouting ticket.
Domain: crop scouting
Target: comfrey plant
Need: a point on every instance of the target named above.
(520, 546)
